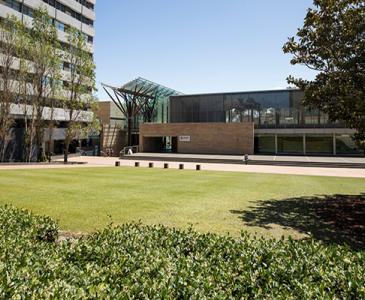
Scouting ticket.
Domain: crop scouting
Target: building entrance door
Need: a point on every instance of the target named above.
(174, 144)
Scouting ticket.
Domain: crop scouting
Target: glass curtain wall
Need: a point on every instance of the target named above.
(346, 145)
(288, 144)
(315, 144)
(197, 109)
(319, 144)
(272, 109)
(265, 144)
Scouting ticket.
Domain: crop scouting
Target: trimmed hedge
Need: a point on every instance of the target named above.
(136, 261)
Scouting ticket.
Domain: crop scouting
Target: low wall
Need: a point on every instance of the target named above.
(201, 138)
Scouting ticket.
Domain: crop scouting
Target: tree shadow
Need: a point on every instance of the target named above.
(338, 219)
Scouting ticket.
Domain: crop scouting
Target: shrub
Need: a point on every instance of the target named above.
(137, 261)
(22, 224)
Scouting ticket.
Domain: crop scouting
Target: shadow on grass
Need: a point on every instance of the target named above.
(332, 219)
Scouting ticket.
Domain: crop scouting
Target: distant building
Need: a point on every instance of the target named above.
(261, 122)
(113, 133)
(281, 124)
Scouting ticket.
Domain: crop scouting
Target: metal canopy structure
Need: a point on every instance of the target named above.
(144, 88)
(138, 99)
(155, 89)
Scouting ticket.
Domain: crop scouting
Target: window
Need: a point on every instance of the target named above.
(319, 144)
(86, 4)
(88, 38)
(60, 6)
(60, 26)
(290, 144)
(346, 145)
(265, 144)
(68, 11)
(66, 66)
(13, 4)
(50, 2)
(27, 11)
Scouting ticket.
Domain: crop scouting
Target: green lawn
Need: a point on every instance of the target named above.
(85, 199)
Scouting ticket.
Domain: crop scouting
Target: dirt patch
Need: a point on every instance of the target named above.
(70, 236)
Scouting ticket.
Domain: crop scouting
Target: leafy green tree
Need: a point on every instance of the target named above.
(14, 77)
(79, 102)
(8, 48)
(25, 91)
(46, 61)
(332, 43)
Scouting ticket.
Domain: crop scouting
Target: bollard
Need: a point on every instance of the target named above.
(246, 159)
(136, 164)
(198, 167)
(117, 163)
(165, 166)
(150, 165)
(181, 166)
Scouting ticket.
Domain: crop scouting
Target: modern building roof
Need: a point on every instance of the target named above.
(145, 88)
(241, 92)
(156, 89)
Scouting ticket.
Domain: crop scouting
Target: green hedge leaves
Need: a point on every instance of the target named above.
(134, 261)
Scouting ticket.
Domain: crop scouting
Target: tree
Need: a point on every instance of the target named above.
(332, 42)
(24, 91)
(79, 102)
(8, 43)
(45, 66)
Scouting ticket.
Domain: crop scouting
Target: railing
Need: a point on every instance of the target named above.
(292, 125)
(129, 150)
(87, 151)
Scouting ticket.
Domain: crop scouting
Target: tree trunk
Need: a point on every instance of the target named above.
(3, 146)
(65, 151)
(40, 150)
(39, 141)
(49, 152)
(30, 142)
(129, 131)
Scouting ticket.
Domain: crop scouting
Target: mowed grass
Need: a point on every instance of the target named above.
(86, 199)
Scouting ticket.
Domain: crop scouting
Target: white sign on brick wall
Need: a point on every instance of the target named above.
(184, 138)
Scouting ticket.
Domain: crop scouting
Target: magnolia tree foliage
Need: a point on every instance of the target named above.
(332, 42)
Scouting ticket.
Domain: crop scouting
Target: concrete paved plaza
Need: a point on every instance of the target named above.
(283, 158)
(92, 161)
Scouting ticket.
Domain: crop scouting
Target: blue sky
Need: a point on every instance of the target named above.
(197, 46)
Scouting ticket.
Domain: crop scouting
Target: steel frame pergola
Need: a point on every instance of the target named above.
(137, 98)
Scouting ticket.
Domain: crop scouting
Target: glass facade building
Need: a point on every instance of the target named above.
(282, 124)
(267, 109)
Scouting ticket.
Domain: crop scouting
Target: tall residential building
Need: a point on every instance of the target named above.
(79, 14)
